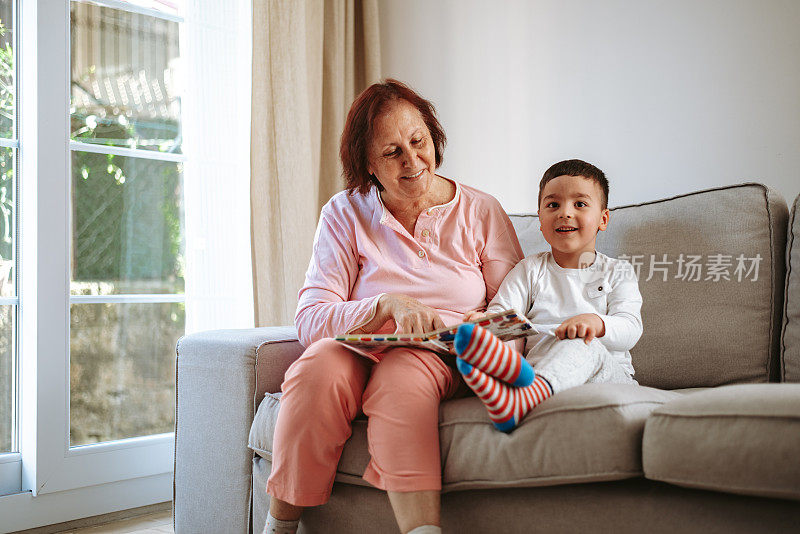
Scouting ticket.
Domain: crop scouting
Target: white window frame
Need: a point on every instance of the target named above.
(59, 483)
(11, 463)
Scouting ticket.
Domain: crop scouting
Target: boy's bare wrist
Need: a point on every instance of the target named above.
(602, 328)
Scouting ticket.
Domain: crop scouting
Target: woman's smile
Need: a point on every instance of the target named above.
(415, 175)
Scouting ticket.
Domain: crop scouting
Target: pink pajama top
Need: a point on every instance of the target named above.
(455, 261)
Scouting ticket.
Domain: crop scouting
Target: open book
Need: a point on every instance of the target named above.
(506, 325)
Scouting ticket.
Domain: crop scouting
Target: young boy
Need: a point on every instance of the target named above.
(585, 306)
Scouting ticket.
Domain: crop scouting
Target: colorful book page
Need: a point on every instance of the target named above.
(506, 325)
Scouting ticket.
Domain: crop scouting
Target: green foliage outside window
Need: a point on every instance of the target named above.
(127, 223)
(6, 85)
(127, 211)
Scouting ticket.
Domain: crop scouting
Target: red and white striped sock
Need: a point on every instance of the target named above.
(485, 351)
(507, 405)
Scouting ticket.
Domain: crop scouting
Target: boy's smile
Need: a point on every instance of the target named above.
(570, 214)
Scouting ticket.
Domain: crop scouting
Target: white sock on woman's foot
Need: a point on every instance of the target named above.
(280, 526)
(426, 529)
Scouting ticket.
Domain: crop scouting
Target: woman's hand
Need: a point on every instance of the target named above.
(585, 325)
(409, 315)
(473, 315)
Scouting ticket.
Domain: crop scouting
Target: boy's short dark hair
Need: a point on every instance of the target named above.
(576, 167)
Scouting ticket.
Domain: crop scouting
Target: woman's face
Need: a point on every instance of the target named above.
(402, 155)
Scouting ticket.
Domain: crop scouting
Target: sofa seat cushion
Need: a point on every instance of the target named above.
(738, 439)
(586, 434)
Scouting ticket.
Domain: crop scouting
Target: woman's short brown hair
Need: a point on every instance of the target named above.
(354, 145)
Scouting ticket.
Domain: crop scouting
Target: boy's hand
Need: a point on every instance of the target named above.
(473, 315)
(586, 325)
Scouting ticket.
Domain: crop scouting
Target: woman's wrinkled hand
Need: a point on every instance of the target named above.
(409, 315)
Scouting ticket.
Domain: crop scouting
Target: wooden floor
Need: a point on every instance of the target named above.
(160, 522)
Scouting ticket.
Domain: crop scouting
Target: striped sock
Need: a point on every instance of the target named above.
(485, 351)
(507, 405)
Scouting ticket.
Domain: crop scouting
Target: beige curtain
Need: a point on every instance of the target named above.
(310, 59)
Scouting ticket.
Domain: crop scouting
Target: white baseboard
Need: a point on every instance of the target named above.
(23, 511)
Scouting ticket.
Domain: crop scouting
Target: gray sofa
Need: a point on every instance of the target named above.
(709, 442)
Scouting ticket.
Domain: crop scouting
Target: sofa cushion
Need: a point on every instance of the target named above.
(712, 325)
(738, 439)
(790, 338)
(589, 433)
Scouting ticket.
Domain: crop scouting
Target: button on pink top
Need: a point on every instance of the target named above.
(459, 255)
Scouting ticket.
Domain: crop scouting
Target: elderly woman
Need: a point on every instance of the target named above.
(402, 249)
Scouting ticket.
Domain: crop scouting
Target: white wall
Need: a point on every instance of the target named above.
(665, 96)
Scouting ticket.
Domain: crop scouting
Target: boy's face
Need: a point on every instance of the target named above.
(570, 214)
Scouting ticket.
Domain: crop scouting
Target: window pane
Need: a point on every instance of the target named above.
(125, 69)
(122, 370)
(7, 222)
(7, 417)
(7, 225)
(127, 225)
(7, 69)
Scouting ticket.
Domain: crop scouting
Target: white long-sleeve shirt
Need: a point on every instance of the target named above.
(549, 294)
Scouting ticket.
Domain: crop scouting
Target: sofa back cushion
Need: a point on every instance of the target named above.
(790, 346)
(711, 273)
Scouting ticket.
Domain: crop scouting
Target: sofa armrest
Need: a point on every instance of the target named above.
(221, 377)
(273, 358)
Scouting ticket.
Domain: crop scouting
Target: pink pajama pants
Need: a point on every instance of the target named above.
(327, 387)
